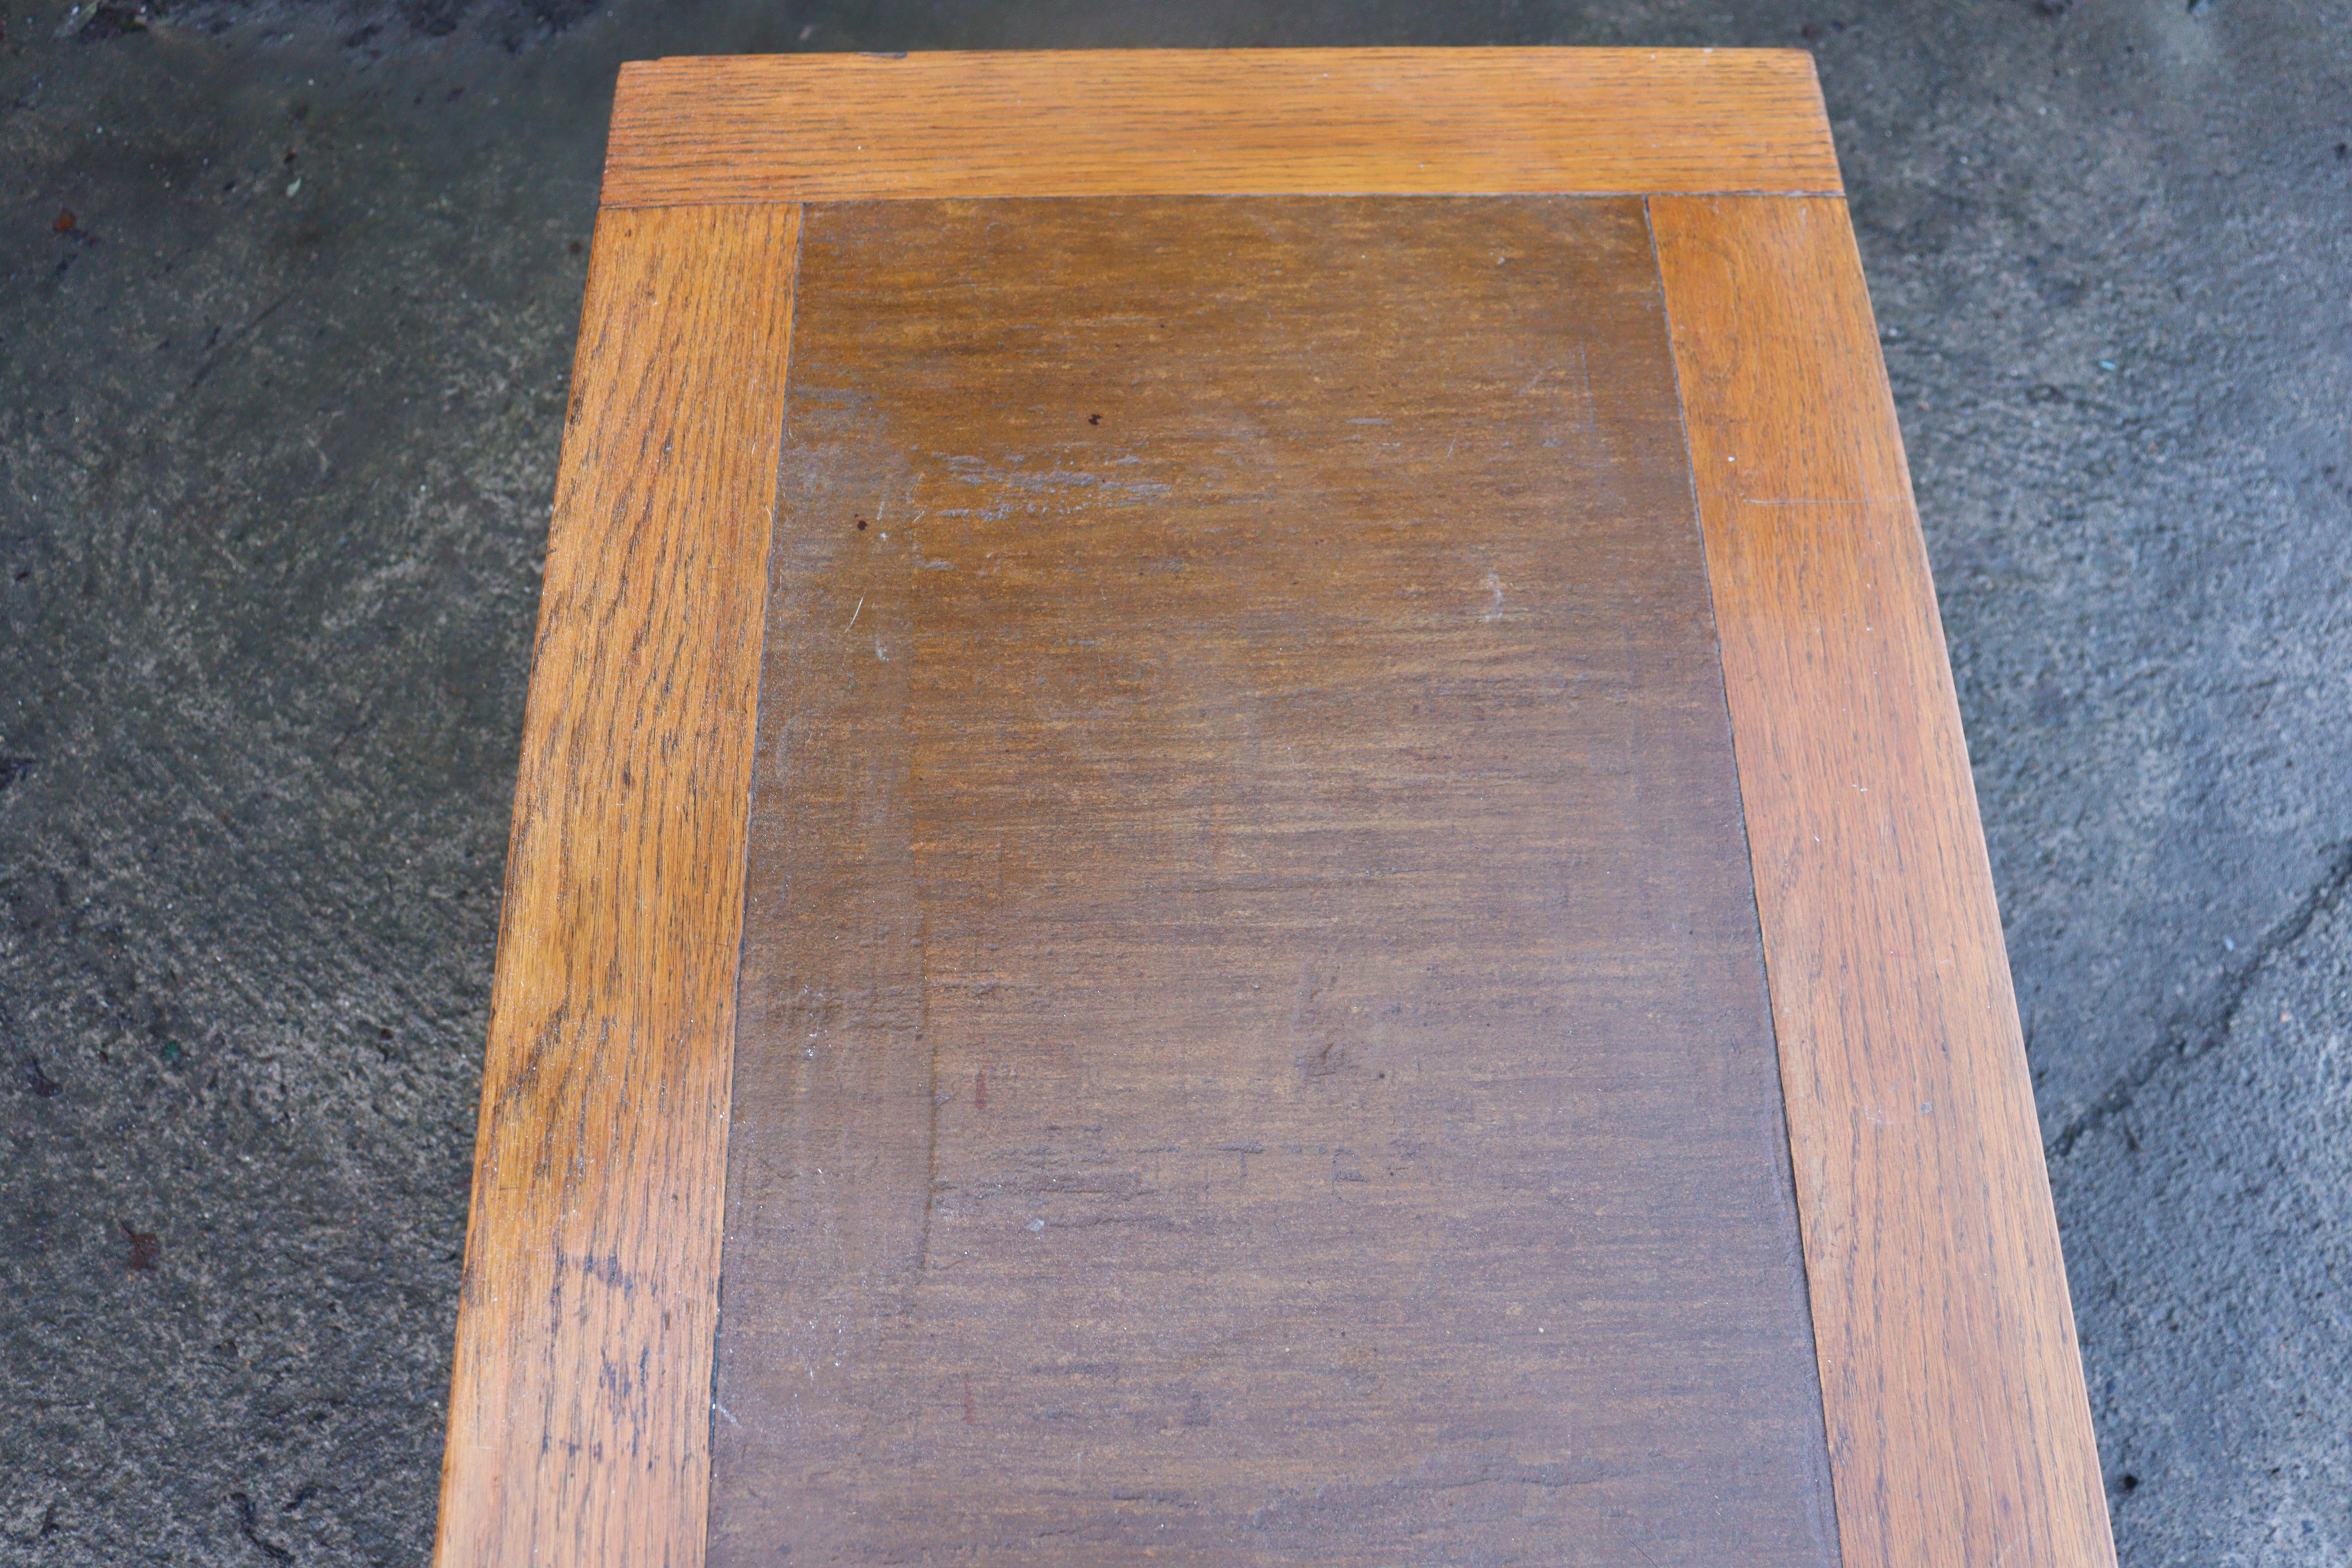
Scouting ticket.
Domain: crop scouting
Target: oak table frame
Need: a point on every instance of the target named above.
(1957, 1427)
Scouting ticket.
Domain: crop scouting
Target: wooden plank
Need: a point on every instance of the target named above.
(1254, 1043)
(1217, 123)
(1958, 1428)
(579, 1408)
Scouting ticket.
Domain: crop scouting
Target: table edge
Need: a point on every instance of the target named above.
(1952, 1385)
(1144, 122)
(579, 1407)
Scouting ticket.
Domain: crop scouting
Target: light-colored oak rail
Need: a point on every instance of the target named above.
(579, 1406)
(1217, 123)
(1960, 1433)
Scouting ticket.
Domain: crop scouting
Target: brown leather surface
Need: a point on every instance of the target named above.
(1252, 1043)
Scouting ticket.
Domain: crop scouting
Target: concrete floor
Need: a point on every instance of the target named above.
(289, 292)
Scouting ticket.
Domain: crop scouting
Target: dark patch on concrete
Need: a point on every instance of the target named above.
(146, 1247)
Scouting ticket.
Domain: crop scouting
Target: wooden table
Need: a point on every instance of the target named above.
(1243, 839)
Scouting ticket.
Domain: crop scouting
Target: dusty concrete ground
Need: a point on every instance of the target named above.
(287, 296)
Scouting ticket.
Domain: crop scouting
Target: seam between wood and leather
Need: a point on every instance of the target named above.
(757, 655)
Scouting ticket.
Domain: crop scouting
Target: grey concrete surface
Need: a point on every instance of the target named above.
(280, 407)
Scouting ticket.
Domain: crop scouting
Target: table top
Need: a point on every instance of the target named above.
(1243, 837)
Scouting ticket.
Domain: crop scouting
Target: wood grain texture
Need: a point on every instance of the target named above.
(1217, 123)
(1958, 1428)
(1254, 1045)
(578, 1414)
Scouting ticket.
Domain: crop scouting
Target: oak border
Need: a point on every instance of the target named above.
(1195, 122)
(1960, 1429)
(579, 1408)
